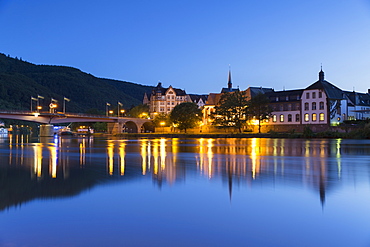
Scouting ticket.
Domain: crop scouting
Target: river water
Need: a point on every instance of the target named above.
(89, 191)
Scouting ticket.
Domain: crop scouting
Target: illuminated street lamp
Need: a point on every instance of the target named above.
(119, 104)
(110, 112)
(38, 101)
(53, 106)
(162, 124)
(122, 112)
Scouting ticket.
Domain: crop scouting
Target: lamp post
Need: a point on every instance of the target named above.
(122, 112)
(64, 104)
(110, 112)
(33, 99)
(106, 108)
(38, 103)
(119, 104)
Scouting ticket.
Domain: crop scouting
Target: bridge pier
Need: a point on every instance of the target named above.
(46, 130)
(115, 128)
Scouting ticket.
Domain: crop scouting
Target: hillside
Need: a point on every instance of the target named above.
(20, 80)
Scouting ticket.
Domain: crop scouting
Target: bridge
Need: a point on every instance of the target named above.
(115, 124)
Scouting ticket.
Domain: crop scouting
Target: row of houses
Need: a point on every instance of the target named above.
(320, 105)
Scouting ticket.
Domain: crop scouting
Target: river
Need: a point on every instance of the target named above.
(91, 191)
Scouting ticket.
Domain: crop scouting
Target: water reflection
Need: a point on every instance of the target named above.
(83, 162)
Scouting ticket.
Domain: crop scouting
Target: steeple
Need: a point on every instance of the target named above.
(229, 84)
(321, 75)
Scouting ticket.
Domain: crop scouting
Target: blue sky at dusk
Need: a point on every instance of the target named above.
(190, 44)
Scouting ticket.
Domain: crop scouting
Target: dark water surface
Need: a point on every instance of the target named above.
(184, 192)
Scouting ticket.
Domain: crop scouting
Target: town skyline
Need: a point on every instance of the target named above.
(190, 45)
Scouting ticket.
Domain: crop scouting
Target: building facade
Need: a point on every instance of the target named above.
(163, 100)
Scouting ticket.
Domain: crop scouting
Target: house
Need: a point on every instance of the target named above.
(163, 100)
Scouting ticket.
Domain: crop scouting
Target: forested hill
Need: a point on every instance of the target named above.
(20, 80)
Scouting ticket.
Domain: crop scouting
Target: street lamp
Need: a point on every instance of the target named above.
(106, 108)
(52, 107)
(38, 104)
(119, 104)
(32, 99)
(122, 112)
(162, 124)
(64, 104)
(110, 112)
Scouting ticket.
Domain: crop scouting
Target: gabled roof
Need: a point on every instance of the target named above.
(197, 97)
(162, 90)
(257, 90)
(332, 91)
(228, 90)
(362, 99)
(213, 98)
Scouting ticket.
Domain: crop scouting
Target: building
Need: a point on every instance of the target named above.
(163, 100)
(319, 106)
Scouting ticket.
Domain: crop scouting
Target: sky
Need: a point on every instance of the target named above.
(190, 44)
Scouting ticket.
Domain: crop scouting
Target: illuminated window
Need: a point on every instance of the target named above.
(281, 118)
(297, 117)
(306, 107)
(313, 105)
(306, 117)
(314, 117)
(322, 117)
(321, 105)
(274, 118)
(289, 117)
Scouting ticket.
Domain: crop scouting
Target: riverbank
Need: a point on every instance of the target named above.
(327, 134)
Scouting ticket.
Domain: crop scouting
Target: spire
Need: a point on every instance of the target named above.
(321, 75)
(229, 84)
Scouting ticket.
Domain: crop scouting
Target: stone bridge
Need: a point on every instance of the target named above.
(115, 124)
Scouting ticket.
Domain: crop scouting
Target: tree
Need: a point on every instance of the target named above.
(162, 118)
(139, 111)
(231, 111)
(258, 108)
(186, 115)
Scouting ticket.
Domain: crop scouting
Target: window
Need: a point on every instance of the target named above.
(277, 98)
(168, 103)
(168, 97)
(162, 109)
(306, 117)
(322, 117)
(297, 117)
(314, 95)
(314, 117)
(321, 105)
(281, 107)
(313, 105)
(320, 94)
(173, 97)
(307, 95)
(306, 107)
(281, 118)
(289, 117)
(287, 98)
(173, 103)
(274, 118)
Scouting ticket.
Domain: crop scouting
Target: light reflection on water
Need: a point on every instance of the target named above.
(258, 169)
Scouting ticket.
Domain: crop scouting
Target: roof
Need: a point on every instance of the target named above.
(257, 90)
(162, 90)
(362, 99)
(228, 90)
(332, 91)
(197, 97)
(213, 98)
